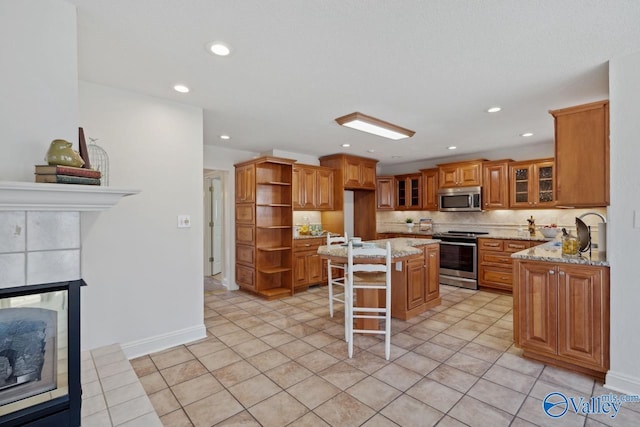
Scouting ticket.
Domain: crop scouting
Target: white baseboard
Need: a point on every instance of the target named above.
(622, 383)
(164, 341)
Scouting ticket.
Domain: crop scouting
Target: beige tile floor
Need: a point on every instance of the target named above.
(277, 363)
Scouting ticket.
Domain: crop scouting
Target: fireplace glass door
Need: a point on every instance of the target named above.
(33, 349)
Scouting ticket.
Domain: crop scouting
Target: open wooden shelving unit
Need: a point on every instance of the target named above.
(267, 271)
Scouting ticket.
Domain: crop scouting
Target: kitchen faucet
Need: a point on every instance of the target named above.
(602, 230)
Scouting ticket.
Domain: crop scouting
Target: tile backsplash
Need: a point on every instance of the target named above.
(498, 220)
(39, 247)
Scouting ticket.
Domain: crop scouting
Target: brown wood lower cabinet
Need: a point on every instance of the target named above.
(308, 267)
(416, 288)
(561, 314)
(495, 265)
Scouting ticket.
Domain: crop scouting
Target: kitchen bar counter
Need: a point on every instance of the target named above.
(400, 247)
(552, 252)
(415, 272)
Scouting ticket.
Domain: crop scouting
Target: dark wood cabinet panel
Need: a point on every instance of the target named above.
(385, 189)
(408, 194)
(430, 189)
(495, 185)
(312, 188)
(460, 174)
(531, 184)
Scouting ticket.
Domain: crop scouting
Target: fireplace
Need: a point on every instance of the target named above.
(40, 355)
(40, 282)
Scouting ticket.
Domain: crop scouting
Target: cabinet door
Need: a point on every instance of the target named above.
(297, 188)
(582, 155)
(415, 192)
(495, 186)
(300, 269)
(430, 189)
(448, 176)
(324, 189)
(581, 299)
(543, 189)
(314, 268)
(352, 175)
(368, 175)
(470, 174)
(520, 178)
(432, 275)
(384, 193)
(415, 283)
(537, 306)
(245, 184)
(309, 191)
(401, 193)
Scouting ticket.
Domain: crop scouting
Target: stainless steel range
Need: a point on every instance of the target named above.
(459, 258)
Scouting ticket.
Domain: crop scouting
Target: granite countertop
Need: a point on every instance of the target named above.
(400, 247)
(403, 229)
(552, 252)
(513, 235)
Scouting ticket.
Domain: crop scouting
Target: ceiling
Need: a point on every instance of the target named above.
(433, 66)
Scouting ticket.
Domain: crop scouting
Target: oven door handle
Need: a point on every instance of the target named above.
(458, 243)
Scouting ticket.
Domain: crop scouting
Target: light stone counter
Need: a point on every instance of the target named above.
(511, 235)
(552, 252)
(400, 247)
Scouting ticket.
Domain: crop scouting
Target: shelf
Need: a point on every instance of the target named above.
(275, 248)
(274, 183)
(275, 205)
(274, 270)
(274, 226)
(275, 292)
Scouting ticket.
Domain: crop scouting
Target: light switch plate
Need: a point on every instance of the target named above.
(184, 221)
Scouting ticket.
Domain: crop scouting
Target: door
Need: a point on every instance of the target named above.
(580, 314)
(537, 307)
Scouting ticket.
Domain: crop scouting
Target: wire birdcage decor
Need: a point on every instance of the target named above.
(99, 160)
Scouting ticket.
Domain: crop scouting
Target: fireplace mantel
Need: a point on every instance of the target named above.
(30, 196)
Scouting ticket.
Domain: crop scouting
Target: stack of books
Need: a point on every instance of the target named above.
(67, 175)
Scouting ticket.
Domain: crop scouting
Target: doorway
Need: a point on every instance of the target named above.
(213, 226)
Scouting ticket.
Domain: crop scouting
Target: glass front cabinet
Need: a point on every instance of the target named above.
(531, 184)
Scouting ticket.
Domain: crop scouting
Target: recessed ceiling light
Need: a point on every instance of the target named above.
(225, 137)
(181, 88)
(345, 145)
(219, 49)
(526, 134)
(371, 151)
(494, 109)
(451, 147)
(395, 157)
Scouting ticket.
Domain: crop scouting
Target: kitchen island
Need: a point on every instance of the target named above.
(561, 308)
(415, 274)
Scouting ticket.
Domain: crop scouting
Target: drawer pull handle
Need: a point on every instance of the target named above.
(552, 272)
(493, 245)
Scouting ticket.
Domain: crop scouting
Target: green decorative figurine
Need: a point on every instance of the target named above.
(532, 226)
(61, 153)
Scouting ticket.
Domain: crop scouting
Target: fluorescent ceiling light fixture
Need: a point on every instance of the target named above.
(375, 126)
(527, 134)
(225, 137)
(181, 88)
(451, 147)
(219, 49)
(494, 109)
(345, 145)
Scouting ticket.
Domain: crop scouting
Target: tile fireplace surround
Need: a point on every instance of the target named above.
(40, 238)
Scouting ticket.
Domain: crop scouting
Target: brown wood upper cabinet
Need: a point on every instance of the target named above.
(461, 174)
(312, 188)
(385, 190)
(582, 155)
(430, 189)
(531, 184)
(408, 191)
(245, 184)
(495, 188)
(357, 173)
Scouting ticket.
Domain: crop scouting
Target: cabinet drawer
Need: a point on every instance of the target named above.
(490, 244)
(245, 255)
(308, 244)
(496, 277)
(245, 234)
(245, 214)
(245, 276)
(496, 258)
(516, 245)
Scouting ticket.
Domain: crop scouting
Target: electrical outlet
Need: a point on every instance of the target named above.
(184, 221)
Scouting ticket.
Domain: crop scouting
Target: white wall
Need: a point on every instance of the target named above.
(144, 275)
(624, 225)
(39, 90)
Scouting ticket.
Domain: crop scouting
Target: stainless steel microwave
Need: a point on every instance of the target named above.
(460, 199)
